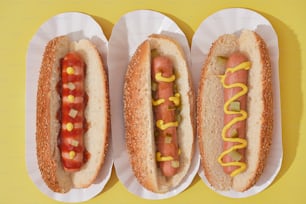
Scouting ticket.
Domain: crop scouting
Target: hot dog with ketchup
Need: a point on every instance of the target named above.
(72, 125)
(234, 111)
(158, 112)
(72, 111)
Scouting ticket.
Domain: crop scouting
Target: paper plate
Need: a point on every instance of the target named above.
(76, 26)
(131, 30)
(233, 21)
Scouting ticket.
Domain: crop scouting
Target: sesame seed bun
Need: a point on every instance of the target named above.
(259, 106)
(138, 114)
(96, 113)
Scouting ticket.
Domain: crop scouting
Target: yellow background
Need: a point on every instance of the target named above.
(19, 21)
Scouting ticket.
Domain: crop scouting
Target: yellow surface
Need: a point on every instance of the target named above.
(19, 21)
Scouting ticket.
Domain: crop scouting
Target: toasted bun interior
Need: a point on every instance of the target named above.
(96, 114)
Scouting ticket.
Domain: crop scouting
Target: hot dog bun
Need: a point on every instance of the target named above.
(259, 102)
(138, 114)
(48, 125)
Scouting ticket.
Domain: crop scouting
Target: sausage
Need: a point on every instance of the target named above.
(165, 113)
(72, 111)
(238, 129)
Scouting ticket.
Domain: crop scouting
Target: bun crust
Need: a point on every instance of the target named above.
(138, 114)
(48, 104)
(259, 103)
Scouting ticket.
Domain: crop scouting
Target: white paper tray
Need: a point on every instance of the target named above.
(76, 26)
(131, 30)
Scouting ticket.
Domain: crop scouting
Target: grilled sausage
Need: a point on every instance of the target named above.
(236, 104)
(72, 112)
(164, 110)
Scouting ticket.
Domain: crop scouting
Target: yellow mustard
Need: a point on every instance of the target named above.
(159, 77)
(242, 143)
(161, 125)
(69, 126)
(71, 154)
(163, 158)
(175, 99)
(70, 70)
(70, 98)
(158, 101)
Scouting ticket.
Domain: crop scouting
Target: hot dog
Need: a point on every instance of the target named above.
(234, 111)
(72, 114)
(164, 110)
(234, 82)
(158, 113)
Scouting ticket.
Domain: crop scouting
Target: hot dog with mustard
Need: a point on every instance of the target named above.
(159, 114)
(234, 111)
